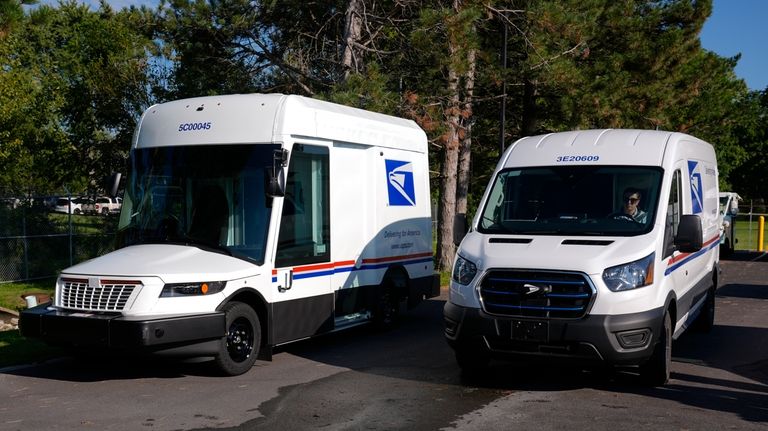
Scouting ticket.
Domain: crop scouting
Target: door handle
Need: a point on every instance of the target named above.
(287, 281)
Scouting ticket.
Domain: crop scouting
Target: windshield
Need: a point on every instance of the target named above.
(210, 196)
(573, 200)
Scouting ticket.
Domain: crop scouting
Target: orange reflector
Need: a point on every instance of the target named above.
(204, 288)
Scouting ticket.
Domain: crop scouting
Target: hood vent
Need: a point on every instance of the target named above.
(510, 240)
(586, 242)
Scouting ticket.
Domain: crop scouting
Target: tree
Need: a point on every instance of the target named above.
(84, 80)
(11, 14)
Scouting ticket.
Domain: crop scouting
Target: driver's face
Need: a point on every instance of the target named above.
(630, 203)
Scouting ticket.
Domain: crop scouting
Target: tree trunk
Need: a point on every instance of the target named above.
(447, 207)
(353, 23)
(465, 148)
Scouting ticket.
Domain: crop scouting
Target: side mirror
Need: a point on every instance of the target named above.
(276, 174)
(460, 228)
(113, 184)
(689, 234)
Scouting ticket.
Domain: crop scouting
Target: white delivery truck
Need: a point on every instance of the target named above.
(729, 209)
(595, 245)
(250, 221)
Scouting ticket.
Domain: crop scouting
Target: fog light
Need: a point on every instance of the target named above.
(634, 339)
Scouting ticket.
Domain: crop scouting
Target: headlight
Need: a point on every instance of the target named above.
(190, 289)
(463, 271)
(630, 275)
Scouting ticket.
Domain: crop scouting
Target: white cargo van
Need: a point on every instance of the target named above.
(250, 221)
(596, 245)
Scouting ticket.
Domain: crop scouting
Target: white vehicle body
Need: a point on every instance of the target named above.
(550, 268)
(729, 209)
(105, 205)
(205, 247)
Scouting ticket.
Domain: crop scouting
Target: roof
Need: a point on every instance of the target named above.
(605, 147)
(266, 118)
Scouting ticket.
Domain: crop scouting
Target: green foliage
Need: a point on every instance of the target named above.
(75, 83)
(75, 80)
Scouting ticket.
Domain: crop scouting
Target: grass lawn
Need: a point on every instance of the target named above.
(10, 293)
(746, 234)
(16, 350)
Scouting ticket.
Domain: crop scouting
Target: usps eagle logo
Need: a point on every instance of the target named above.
(400, 183)
(697, 190)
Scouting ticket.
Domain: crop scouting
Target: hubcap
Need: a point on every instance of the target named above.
(240, 339)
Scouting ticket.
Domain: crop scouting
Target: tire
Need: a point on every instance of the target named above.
(386, 312)
(706, 318)
(655, 372)
(240, 347)
(472, 359)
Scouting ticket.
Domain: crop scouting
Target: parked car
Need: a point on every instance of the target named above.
(77, 206)
(106, 205)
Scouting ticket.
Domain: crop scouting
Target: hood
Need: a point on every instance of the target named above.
(590, 255)
(171, 263)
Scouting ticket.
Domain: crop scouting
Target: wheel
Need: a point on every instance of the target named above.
(386, 311)
(472, 359)
(706, 318)
(240, 347)
(77, 211)
(655, 372)
(105, 212)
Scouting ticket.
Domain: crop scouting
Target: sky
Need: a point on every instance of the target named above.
(740, 26)
(735, 26)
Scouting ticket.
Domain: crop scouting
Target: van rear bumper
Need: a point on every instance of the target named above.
(81, 329)
(626, 339)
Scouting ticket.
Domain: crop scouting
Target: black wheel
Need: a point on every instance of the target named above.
(472, 359)
(655, 372)
(239, 349)
(105, 212)
(386, 311)
(706, 318)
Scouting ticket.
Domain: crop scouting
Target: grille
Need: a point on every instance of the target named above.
(538, 294)
(109, 295)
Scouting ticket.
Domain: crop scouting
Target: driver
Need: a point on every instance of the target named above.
(629, 209)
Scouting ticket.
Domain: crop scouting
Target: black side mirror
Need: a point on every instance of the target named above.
(276, 174)
(689, 237)
(460, 228)
(113, 184)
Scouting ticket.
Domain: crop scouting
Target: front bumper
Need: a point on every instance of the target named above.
(626, 339)
(184, 334)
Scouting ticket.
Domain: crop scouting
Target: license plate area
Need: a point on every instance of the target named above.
(529, 330)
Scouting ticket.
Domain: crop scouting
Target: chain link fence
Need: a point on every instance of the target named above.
(39, 238)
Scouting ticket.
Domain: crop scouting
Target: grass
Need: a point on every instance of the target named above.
(16, 350)
(10, 293)
(746, 234)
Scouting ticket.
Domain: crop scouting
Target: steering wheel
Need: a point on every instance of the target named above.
(625, 217)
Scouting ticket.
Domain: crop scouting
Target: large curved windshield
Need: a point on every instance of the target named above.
(211, 196)
(573, 200)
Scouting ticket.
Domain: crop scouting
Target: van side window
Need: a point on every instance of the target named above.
(305, 223)
(674, 209)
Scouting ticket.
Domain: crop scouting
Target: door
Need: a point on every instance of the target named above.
(302, 280)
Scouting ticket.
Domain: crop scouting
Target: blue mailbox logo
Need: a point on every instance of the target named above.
(400, 183)
(697, 190)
